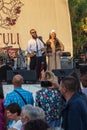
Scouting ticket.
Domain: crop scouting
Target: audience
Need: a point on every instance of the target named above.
(49, 104)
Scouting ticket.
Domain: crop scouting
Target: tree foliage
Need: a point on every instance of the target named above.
(78, 14)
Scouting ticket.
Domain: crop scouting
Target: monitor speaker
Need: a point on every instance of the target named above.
(66, 63)
(28, 75)
(61, 73)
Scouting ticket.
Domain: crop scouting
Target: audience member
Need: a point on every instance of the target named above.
(75, 75)
(41, 113)
(79, 82)
(13, 113)
(50, 76)
(19, 95)
(29, 113)
(2, 111)
(84, 83)
(36, 125)
(75, 112)
(49, 99)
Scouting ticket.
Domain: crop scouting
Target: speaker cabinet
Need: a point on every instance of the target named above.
(28, 75)
(61, 73)
(66, 63)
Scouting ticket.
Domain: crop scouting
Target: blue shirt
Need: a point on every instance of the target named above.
(15, 97)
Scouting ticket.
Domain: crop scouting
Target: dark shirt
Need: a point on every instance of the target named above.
(75, 114)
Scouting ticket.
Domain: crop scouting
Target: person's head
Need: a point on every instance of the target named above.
(83, 70)
(33, 33)
(17, 80)
(68, 87)
(36, 125)
(41, 113)
(84, 80)
(28, 113)
(48, 75)
(75, 75)
(52, 34)
(13, 110)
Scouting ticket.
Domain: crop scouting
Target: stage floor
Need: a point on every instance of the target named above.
(30, 87)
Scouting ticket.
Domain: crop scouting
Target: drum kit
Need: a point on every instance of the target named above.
(15, 57)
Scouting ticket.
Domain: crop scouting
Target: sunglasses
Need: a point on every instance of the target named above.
(33, 32)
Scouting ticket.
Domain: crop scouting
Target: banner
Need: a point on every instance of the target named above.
(17, 17)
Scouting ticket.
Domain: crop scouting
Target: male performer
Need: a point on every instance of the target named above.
(36, 50)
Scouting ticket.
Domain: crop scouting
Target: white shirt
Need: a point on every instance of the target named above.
(16, 125)
(32, 46)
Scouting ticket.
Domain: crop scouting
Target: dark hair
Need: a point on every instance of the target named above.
(69, 83)
(83, 70)
(13, 108)
(84, 80)
(36, 125)
(32, 30)
(75, 75)
(46, 83)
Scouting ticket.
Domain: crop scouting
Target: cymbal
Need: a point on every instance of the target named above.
(7, 47)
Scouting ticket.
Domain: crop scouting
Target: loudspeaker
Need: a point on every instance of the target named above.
(66, 63)
(28, 75)
(61, 73)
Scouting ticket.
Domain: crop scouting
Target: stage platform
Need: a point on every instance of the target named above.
(30, 87)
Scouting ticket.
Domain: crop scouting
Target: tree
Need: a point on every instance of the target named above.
(78, 13)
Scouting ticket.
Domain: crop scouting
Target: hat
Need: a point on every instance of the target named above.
(53, 31)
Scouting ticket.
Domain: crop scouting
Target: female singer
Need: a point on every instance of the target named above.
(54, 49)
